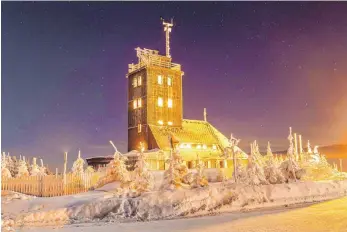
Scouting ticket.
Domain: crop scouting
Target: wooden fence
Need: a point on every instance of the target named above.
(51, 185)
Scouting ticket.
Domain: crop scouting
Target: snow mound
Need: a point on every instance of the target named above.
(172, 204)
(9, 196)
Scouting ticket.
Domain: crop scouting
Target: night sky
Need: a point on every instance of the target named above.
(257, 67)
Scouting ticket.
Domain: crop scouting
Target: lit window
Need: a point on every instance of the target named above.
(160, 122)
(169, 103)
(189, 146)
(198, 146)
(182, 146)
(204, 146)
(139, 102)
(169, 123)
(139, 128)
(160, 80)
(139, 81)
(160, 101)
(214, 147)
(135, 82)
(135, 104)
(169, 81)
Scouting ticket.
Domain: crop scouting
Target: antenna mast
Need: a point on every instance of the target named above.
(167, 29)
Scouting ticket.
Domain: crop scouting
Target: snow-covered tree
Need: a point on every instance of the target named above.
(77, 167)
(309, 149)
(143, 178)
(35, 170)
(200, 179)
(5, 173)
(177, 175)
(22, 168)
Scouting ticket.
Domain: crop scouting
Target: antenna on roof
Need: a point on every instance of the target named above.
(167, 29)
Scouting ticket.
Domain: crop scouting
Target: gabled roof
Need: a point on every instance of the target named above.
(192, 131)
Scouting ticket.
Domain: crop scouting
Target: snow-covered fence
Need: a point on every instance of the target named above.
(51, 185)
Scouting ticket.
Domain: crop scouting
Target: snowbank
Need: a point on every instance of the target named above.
(172, 204)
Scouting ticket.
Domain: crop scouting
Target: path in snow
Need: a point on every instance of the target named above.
(326, 216)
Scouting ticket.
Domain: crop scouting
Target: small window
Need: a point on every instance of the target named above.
(160, 80)
(139, 128)
(169, 81)
(160, 101)
(169, 123)
(139, 102)
(135, 104)
(135, 82)
(160, 122)
(169, 103)
(139, 81)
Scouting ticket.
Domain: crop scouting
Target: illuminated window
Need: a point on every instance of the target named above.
(135, 82)
(160, 122)
(169, 123)
(204, 146)
(189, 146)
(169, 81)
(182, 145)
(139, 102)
(139, 81)
(169, 103)
(160, 101)
(214, 147)
(198, 146)
(160, 80)
(135, 104)
(139, 128)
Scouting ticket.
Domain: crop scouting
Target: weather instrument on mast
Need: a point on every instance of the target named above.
(167, 29)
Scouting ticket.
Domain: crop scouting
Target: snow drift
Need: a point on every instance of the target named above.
(178, 203)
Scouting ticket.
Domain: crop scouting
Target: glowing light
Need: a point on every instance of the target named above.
(189, 146)
(160, 101)
(139, 102)
(198, 146)
(182, 145)
(160, 122)
(204, 146)
(169, 103)
(169, 123)
(135, 104)
(139, 81)
(135, 82)
(214, 147)
(139, 128)
(169, 81)
(160, 80)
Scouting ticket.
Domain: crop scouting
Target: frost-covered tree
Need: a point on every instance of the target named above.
(177, 175)
(77, 167)
(22, 168)
(35, 170)
(143, 178)
(200, 179)
(5, 173)
(116, 170)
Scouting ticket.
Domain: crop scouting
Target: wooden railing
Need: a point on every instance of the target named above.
(51, 185)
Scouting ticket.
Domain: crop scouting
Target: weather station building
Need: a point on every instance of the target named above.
(155, 113)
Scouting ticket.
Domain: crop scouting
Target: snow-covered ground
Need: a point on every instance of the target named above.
(321, 217)
(102, 205)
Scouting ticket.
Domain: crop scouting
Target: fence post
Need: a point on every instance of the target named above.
(65, 163)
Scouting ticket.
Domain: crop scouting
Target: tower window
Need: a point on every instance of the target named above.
(160, 80)
(139, 81)
(135, 104)
(169, 123)
(139, 102)
(160, 101)
(160, 122)
(169, 81)
(169, 103)
(135, 82)
(139, 128)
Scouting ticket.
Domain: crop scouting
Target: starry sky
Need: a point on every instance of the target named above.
(258, 68)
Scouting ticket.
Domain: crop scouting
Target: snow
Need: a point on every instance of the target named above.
(99, 205)
(321, 217)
